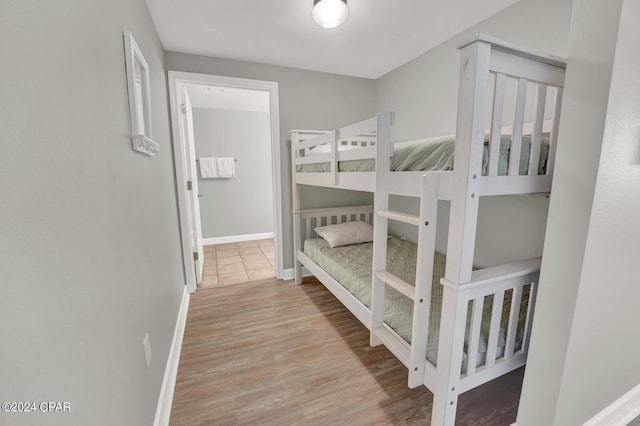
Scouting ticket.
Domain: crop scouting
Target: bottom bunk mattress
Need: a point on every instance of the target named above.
(351, 266)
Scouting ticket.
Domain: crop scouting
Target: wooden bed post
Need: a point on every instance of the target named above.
(472, 101)
(297, 236)
(470, 128)
(381, 224)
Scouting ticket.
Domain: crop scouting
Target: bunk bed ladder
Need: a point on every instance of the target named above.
(413, 356)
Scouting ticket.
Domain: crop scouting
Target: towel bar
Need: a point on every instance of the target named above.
(234, 159)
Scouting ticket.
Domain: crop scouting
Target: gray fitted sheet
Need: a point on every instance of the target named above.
(438, 156)
(351, 266)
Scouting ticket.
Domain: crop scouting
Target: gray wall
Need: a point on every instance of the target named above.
(424, 94)
(89, 248)
(242, 205)
(308, 100)
(613, 240)
(424, 91)
(585, 345)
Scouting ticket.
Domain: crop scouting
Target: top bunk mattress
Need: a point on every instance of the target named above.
(433, 155)
(351, 266)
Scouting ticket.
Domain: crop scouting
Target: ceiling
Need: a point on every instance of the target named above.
(379, 35)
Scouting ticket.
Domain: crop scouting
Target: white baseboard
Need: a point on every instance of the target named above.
(621, 412)
(163, 411)
(289, 274)
(236, 238)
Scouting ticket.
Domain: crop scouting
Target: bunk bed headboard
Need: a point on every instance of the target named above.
(311, 219)
(486, 65)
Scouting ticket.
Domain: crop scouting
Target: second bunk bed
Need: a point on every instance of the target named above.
(453, 326)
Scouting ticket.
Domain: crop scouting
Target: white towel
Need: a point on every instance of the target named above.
(208, 168)
(226, 167)
(215, 168)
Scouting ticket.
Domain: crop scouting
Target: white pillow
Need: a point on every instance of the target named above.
(346, 233)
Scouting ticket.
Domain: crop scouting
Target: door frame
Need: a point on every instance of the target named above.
(177, 80)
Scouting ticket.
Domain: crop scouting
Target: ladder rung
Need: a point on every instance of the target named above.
(398, 284)
(396, 344)
(400, 217)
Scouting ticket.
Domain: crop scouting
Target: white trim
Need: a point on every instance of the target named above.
(144, 145)
(180, 78)
(236, 238)
(622, 411)
(289, 273)
(163, 411)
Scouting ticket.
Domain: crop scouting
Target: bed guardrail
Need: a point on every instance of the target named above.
(514, 284)
(316, 147)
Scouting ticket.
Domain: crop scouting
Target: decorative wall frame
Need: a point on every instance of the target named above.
(138, 89)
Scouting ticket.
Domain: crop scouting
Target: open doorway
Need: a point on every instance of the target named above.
(216, 118)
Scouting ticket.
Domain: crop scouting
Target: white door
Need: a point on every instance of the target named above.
(192, 188)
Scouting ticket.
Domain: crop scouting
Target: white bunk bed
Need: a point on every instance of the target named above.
(486, 64)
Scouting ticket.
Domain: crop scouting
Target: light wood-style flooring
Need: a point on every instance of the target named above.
(276, 353)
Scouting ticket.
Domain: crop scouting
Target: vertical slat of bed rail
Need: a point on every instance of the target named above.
(307, 223)
(496, 125)
(516, 299)
(477, 305)
(530, 311)
(536, 135)
(297, 237)
(551, 160)
(334, 157)
(494, 328)
(518, 123)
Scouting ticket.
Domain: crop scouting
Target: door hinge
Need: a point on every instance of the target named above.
(195, 255)
(189, 185)
(183, 108)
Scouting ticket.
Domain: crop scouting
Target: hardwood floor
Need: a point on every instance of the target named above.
(275, 353)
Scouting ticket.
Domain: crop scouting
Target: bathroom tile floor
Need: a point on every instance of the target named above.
(235, 263)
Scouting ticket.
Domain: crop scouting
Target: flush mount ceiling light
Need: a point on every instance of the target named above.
(330, 13)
